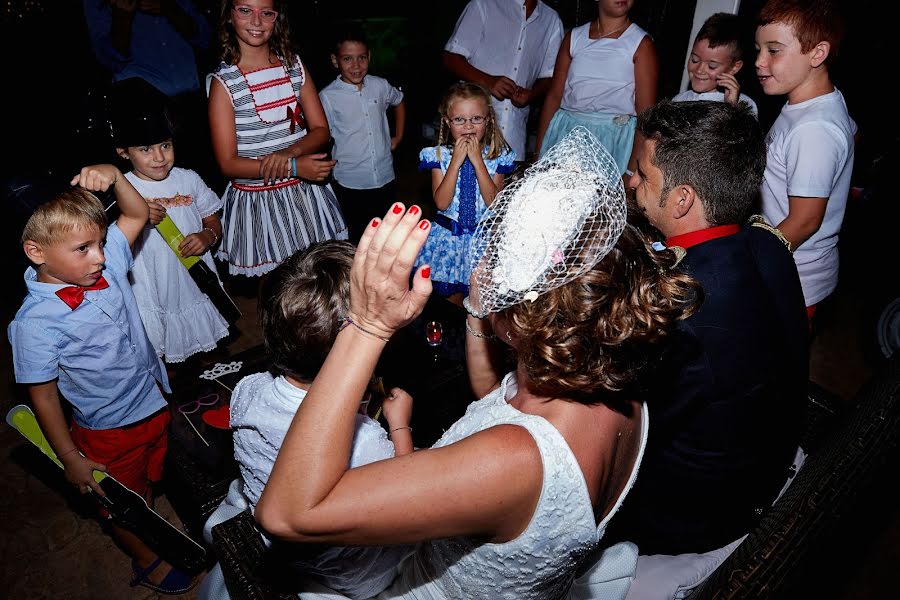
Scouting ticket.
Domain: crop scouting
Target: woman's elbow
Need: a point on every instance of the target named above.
(278, 522)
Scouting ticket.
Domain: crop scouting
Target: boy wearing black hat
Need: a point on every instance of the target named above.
(78, 336)
(180, 319)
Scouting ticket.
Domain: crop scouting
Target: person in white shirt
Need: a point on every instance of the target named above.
(263, 405)
(509, 47)
(606, 73)
(716, 58)
(809, 161)
(356, 105)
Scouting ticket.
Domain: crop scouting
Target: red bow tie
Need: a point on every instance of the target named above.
(296, 118)
(74, 294)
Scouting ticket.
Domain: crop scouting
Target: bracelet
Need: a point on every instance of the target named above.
(478, 334)
(468, 306)
(399, 428)
(293, 167)
(215, 237)
(348, 321)
(71, 450)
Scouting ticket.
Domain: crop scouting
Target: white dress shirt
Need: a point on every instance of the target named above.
(495, 37)
(362, 139)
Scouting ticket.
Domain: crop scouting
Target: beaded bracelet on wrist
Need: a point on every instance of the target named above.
(348, 321)
(478, 334)
(469, 309)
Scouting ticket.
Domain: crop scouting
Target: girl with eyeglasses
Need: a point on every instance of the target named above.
(468, 166)
(268, 128)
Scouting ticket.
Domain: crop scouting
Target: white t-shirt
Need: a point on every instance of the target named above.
(358, 122)
(495, 37)
(810, 154)
(690, 95)
(262, 408)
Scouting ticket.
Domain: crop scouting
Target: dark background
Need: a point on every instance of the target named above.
(54, 94)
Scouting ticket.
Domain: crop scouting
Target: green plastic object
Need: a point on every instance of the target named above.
(173, 236)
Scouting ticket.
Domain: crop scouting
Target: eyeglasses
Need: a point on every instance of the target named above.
(245, 13)
(460, 121)
(194, 405)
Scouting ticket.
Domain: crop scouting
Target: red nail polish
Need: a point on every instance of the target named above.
(397, 209)
(413, 210)
(426, 272)
(374, 222)
(423, 225)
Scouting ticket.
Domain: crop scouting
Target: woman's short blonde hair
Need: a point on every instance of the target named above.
(70, 209)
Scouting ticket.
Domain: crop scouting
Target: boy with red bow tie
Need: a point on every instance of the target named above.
(79, 336)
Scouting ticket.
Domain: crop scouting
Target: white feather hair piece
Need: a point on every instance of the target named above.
(549, 227)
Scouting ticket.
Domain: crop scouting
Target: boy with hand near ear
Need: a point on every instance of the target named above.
(810, 154)
(79, 336)
(716, 58)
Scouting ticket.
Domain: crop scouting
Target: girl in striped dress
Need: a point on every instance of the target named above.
(276, 202)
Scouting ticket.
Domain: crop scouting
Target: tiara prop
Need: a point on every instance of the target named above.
(221, 369)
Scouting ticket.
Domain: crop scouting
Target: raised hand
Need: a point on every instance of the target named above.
(381, 299)
(731, 86)
(97, 178)
(473, 151)
(397, 408)
(460, 150)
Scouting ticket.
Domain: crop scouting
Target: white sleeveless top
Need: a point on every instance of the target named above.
(601, 75)
(541, 563)
(266, 108)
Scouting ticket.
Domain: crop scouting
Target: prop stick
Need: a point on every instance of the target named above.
(202, 275)
(202, 439)
(377, 385)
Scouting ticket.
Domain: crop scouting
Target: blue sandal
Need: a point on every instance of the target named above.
(174, 583)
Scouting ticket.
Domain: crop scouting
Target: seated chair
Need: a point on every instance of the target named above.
(241, 572)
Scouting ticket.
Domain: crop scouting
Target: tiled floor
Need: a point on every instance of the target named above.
(51, 548)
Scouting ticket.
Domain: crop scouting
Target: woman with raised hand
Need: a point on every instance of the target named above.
(517, 493)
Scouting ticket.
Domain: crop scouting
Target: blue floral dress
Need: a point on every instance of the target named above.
(447, 248)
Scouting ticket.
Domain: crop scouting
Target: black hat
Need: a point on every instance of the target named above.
(139, 114)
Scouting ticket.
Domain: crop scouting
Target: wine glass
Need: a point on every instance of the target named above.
(434, 333)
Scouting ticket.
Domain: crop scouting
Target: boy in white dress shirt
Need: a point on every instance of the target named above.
(356, 105)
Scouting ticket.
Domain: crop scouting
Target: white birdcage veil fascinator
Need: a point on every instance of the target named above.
(549, 227)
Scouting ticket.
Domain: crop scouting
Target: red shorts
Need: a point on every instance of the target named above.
(810, 313)
(133, 454)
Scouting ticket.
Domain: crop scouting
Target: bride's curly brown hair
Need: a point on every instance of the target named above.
(594, 336)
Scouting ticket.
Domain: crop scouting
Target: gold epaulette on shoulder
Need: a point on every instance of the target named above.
(760, 221)
(680, 253)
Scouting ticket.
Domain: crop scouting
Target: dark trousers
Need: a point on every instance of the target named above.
(361, 206)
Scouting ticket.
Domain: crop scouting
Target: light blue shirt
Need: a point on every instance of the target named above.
(106, 367)
(158, 53)
(358, 122)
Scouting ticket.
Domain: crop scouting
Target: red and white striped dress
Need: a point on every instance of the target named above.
(265, 224)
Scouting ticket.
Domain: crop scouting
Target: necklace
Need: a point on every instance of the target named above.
(601, 35)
